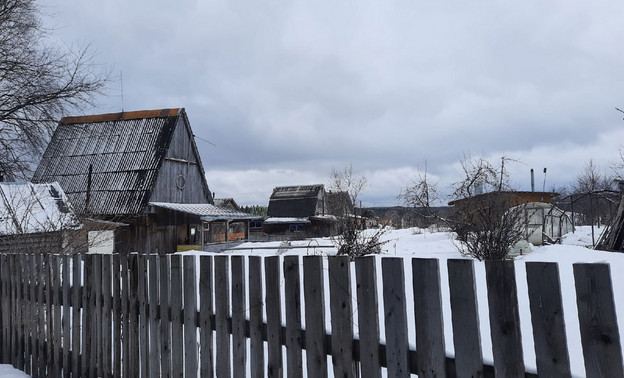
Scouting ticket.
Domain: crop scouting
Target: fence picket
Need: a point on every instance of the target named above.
(292, 299)
(465, 319)
(599, 329)
(118, 323)
(177, 354)
(341, 315)
(239, 343)
(313, 291)
(133, 334)
(190, 317)
(222, 300)
(55, 360)
(66, 310)
(549, 336)
(107, 309)
(256, 305)
(274, 316)
(430, 350)
(165, 317)
(205, 317)
(395, 317)
(504, 318)
(77, 305)
(368, 307)
(96, 338)
(154, 325)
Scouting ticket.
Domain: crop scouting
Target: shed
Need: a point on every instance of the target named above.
(111, 166)
(36, 218)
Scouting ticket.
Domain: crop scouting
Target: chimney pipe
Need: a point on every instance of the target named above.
(532, 180)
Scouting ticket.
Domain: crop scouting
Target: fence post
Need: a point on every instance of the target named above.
(341, 315)
(222, 304)
(190, 317)
(165, 317)
(430, 351)
(292, 299)
(154, 326)
(239, 344)
(599, 329)
(205, 317)
(66, 325)
(274, 316)
(55, 358)
(313, 290)
(77, 302)
(504, 318)
(465, 318)
(177, 354)
(256, 305)
(549, 333)
(368, 310)
(395, 316)
(118, 323)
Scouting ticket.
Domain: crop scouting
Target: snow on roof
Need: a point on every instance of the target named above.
(282, 220)
(206, 211)
(29, 208)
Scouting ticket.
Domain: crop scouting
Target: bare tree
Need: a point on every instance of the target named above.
(487, 218)
(39, 82)
(353, 240)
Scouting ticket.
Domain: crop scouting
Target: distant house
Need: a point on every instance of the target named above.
(125, 168)
(299, 209)
(228, 203)
(37, 218)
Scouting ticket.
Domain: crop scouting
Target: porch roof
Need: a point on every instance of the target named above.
(205, 211)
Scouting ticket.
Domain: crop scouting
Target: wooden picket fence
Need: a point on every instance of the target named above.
(150, 316)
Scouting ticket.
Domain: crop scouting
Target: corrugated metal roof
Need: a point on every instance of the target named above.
(125, 151)
(206, 211)
(27, 208)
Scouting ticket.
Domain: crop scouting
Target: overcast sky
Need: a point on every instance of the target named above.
(288, 90)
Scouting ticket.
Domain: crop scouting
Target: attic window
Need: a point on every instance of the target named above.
(180, 182)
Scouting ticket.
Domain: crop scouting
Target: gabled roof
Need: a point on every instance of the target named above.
(227, 202)
(108, 164)
(294, 201)
(27, 208)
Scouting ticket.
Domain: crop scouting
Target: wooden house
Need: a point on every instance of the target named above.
(299, 209)
(37, 218)
(118, 167)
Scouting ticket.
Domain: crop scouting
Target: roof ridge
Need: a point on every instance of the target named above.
(156, 113)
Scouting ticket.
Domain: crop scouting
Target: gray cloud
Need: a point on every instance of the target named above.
(288, 90)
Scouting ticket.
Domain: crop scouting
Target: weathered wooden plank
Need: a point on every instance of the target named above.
(177, 353)
(118, 324)
(313, 291)
(274, 316)
(465, 319)
(504, 318)
(368, 310)
(55, 342)
(206, 368)
(106, 317)
(87, 317)
(222, 304)
(341, 316)
(154, 325)
(292, 299)
(66, 328)
(598, 321)
(395, 317)
(165, 317)
(76, 324)
(239, 308)
(190, 317)
(430, 350)
(256, 305)
(20, 264)
(97, 351)
(133, 321)
(549, 333)
(34, 316)
(7, 305)
(143, 317)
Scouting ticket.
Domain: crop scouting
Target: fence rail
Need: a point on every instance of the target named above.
(223, 316)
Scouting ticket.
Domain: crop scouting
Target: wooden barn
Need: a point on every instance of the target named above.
(301, 210)
(36, 218)
(111, 166)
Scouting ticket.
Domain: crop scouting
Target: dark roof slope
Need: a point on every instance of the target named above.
(124, 152)
(294, 201)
